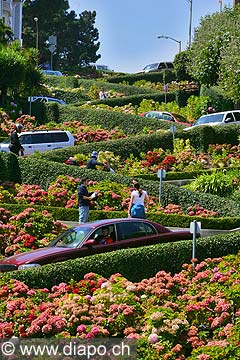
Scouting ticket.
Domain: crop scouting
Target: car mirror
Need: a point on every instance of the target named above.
(89, 243)
(228, 120)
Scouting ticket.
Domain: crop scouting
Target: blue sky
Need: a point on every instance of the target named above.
(128, 29)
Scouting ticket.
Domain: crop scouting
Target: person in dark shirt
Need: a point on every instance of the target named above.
(84, 199)
(15, 145)
(92, 163)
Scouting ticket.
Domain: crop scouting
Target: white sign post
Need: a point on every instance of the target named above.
(195, 228)
(161, 174)
(52, 42)
(173, 130)
(30, 104)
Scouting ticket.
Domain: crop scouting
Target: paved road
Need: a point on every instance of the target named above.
(204, 232)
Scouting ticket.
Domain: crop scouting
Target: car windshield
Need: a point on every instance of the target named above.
(209, 119)
(72, 238)
(151, 66)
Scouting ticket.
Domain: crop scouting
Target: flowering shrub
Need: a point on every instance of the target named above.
(28, 230)
(194, 314)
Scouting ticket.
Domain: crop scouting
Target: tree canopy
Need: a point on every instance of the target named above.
(77, 37)
(214, 52)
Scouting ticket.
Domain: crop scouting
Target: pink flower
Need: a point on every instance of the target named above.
(81, 328)
(153, 338)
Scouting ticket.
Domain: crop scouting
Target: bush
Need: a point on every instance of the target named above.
(122, 147)
(152, 77)
(134, 264)
(171, 220)
(9, 167)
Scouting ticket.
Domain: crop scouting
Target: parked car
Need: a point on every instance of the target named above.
(82, 240)
(167, 116)
(47, 99)
(164, 65)
(52, 72)
(41, 141)
(218, 118)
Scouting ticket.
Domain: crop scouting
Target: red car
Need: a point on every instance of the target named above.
(167, 116)
(85, 239)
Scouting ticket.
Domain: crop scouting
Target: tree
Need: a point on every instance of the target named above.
(6, 34)
(17, 70)
(82, 44)
(77, 45)
(181, 64)
(210, 38)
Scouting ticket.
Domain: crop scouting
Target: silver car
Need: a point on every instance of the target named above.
(219, 118)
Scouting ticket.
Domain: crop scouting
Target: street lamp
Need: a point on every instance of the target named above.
(169, 37)
(36, 21)
(190, 23)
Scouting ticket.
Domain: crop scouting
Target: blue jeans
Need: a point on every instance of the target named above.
(83, 214)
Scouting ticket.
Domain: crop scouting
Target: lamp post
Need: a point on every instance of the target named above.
(190, 23)
(36, 21)
(169, 37)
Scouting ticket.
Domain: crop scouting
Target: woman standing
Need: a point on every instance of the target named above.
(139, 199)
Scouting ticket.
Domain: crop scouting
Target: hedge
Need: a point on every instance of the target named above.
(122, 147)
(165, 76)
(135, 264)
(9, 167)
(171, 220)
(36, 171)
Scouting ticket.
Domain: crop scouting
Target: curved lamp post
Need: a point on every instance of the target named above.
(36, 21)
(171, 38)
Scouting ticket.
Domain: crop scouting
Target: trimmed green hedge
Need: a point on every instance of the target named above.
(130, 124)
(9, 167)
(165, 76)
(135, 264)
(171, 220)
(122, 147)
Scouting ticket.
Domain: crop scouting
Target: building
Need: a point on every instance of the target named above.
(11, 13)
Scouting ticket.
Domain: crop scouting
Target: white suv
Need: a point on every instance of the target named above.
(41, 141)
(219, 118)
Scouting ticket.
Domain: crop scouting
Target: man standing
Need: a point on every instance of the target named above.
(84, 198)
(15, 145)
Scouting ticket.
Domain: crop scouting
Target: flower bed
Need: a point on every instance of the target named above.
(191, 315)
(26, 231)
(63, 193)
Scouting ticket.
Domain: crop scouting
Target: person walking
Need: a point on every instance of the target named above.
(84, 199)
(139, 199)
(15, 145)
(102, 94)
(92, 163)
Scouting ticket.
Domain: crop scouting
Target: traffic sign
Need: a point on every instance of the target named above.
(52, 40)
(52, 48)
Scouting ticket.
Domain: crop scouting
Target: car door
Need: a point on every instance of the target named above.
(41, 142)
(136, 233)
(97, 236)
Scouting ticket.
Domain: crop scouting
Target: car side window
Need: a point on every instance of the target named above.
(229, 117)
(167, 117)
(59, 137)
(25, 139)
(131, 230)
(161, 66)
(97, 235)
(41, 138)
(150, 230)
(237, 116)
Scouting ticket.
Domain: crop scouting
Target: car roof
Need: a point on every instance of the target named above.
(42, 131)
(97, 223)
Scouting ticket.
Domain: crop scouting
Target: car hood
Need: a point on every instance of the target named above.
(33, 256)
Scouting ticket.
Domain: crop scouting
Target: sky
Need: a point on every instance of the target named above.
(129, 29)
